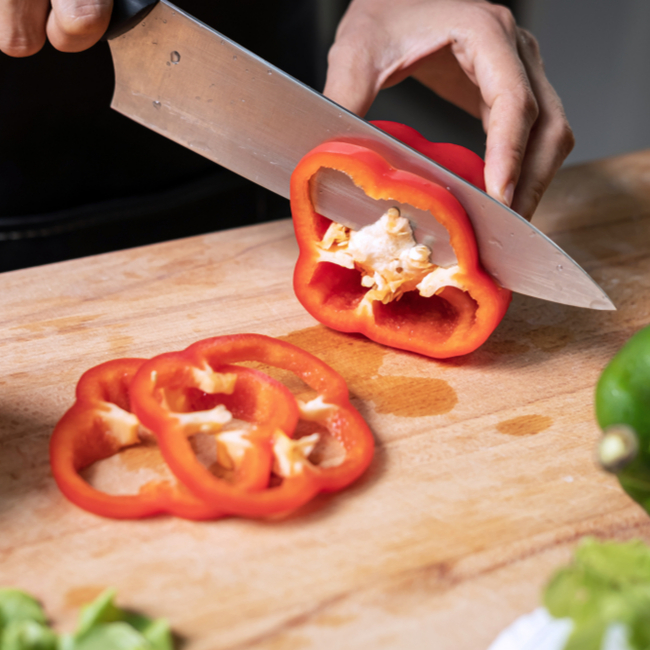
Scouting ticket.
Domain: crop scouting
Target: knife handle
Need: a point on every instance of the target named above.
(126, 14)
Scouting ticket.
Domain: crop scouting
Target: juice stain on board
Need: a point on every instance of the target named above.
(525, 425)
(358, 360)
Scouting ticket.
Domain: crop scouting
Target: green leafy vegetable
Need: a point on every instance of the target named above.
(28, 635)
(607, 583)
(104, 626)
(116, 635)
(16, 605)
(101, 626)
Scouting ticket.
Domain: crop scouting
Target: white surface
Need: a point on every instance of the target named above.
(540, 631)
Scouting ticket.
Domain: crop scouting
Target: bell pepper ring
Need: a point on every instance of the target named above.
(101, 423)
(180, 392)
(378, 281)
(299, 479)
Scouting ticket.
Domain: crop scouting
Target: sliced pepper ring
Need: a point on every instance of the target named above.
(332, 408)
(177, 394)
(456, 319)
(100, 423)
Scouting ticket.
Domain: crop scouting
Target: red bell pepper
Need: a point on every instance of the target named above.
(450, 313)
(101, 422)
(296, 479)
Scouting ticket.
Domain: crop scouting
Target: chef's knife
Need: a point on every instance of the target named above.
(188, 82)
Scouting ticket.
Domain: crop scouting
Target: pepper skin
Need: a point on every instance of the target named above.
(101, 422)
(304, 480)
(451, 322)
(622, 404)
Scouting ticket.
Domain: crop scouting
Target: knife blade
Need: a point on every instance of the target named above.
(186, 81)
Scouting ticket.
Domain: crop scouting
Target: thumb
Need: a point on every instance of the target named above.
(352, 80)
(76, 25)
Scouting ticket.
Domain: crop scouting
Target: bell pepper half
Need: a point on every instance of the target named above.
(101, 423)
(291, 479)
(378, 281)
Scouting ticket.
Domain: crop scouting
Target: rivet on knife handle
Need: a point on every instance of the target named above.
(126, 13)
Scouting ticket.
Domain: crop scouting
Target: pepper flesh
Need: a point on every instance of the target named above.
(300, 479)
(458, 317)
(101, 422)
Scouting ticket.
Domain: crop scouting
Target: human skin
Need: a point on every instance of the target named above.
(69, 25)
(473, 54)
(470, 52)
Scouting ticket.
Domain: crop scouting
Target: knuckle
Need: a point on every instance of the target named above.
(338, 52)
(528, 41)
(503, 17)
(564, 138)
(536, 189)
(349, 55)
(84, 18)
(19, 45)
(528, 103)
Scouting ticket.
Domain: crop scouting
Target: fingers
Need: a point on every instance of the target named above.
(352, 76)
(75, 25)
(551, 139)
(472, 53)
(22, 26)
(509, 106)
(528, 136)
(70, 25)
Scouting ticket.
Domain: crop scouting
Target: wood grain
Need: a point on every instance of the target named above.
(483, 482)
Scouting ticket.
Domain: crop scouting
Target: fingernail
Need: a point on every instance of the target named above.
(508, 193)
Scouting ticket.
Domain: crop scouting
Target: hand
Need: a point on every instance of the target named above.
(471, 53)
(69, 25)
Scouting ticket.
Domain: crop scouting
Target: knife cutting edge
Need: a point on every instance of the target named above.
(188, 82)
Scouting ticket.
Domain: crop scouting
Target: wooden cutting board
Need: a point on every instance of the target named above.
(483, 481)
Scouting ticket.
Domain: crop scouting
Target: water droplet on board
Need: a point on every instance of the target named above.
(559, 268)
(234, 57)
(164, 21)
(174, 57)
(495, 242)
(156, 104)
(269, 72)
(533, 234)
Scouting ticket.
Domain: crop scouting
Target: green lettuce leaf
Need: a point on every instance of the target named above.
(27, 635)
(101, 626)
(607, 582)
(104, 626)
(16, 605)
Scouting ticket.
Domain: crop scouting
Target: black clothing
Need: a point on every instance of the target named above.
(77, 178)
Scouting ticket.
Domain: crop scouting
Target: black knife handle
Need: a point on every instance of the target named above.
(126, 14)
